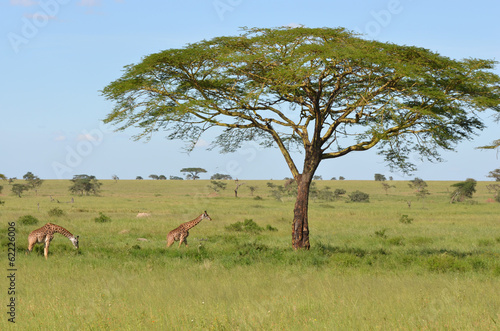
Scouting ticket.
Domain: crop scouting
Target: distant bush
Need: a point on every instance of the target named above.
(405, 219)
(27, 220)
(217, 185)
(270, 228)
(338, 192)
(55, 212)
(358, 196)
(102, 218)
(463, 191)
(249, 226)
(246, 226)
(381, 233)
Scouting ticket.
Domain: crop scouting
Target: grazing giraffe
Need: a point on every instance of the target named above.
(45, 235)
(182, 231)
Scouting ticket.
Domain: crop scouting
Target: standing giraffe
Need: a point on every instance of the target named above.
(45, 235)
(182, 231)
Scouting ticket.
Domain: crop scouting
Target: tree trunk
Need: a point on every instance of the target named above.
(300, 226)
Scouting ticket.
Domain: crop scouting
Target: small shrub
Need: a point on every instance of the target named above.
(270, 228)
(405, 219)
(358, 196)
(258, 197)
(381, 233)
(338, 193)
(27, 220)
(102, 218)
(246, 226)
(56, 212)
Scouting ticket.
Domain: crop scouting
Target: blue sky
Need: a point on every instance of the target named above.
(55, 56)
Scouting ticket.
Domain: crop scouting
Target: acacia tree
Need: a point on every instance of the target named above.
(326, 92)
(32, 181)
(85, 184)
(192, 173)
(495, 174)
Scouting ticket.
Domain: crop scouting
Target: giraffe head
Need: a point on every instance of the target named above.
(74, 240)
(205, 216)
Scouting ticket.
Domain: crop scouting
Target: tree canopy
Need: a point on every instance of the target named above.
(326, 92)
(33, 181)
(85, 184)
(192, 173)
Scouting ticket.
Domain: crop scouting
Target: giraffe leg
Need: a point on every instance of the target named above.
(181, 240)
(46, 249)
(186, 242)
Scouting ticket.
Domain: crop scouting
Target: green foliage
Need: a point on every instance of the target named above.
(381, 233)
(247, 225)
(386, 187)
(358, 196)
(495, 174)
(174, 88)
(27, 220)
(176, 178)
(463, 191)
(271, 228)
(218, 176)
(18, 189)
(217, 185)
(405, 219)
(55, 212)
(102, 218)
(380, 177)
(33, 181)
(337, 93)
(420, 187)
(339, 192)
(85, 184)
(192, 173)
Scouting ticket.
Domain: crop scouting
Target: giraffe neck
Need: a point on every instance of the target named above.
(61, 230)
(193, 223)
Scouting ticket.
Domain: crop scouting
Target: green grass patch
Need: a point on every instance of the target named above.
(365, 269)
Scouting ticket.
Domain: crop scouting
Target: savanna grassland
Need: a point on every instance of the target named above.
(369, 267)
